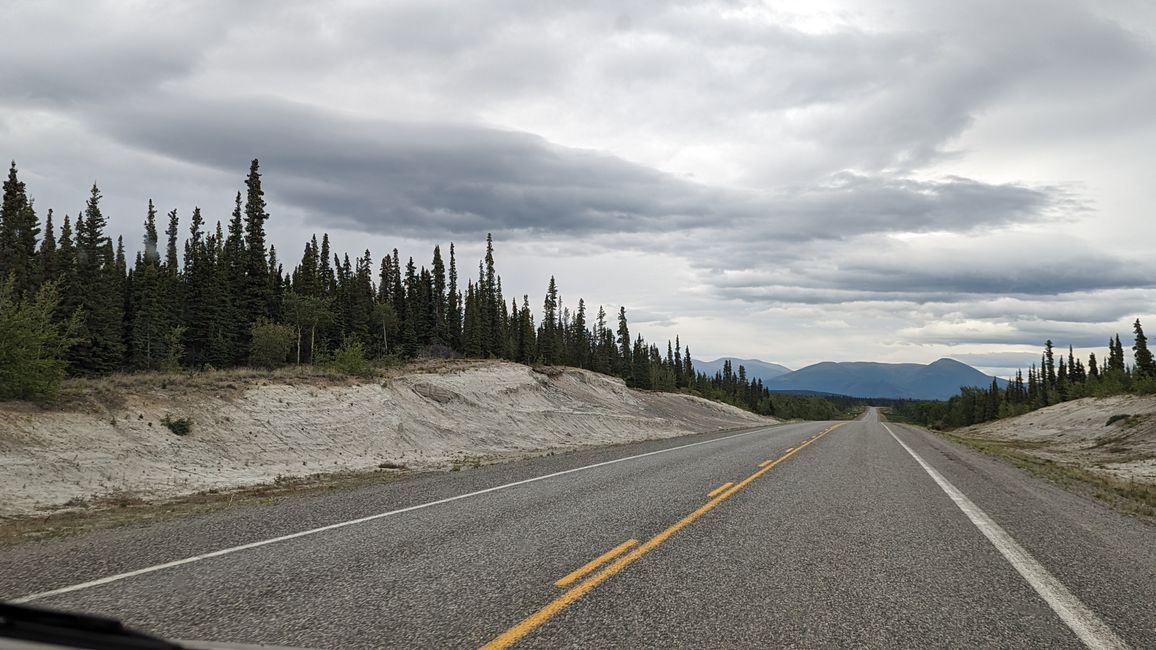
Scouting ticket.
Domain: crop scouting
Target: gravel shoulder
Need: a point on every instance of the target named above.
(1105, 447)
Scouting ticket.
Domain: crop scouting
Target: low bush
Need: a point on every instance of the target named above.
(350, 359)
(179, 426)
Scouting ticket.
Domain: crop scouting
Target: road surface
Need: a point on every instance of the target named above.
(819, 534)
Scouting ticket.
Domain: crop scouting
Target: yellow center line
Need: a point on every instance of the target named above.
(595, 563)
(720, 488)
(765, 463)
(526, 625)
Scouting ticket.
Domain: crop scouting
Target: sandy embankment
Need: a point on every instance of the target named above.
(1077, 433)
(254, 431)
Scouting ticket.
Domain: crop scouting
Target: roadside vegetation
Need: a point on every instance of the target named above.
(1055, 380)
(1132, 497)
(74, 304)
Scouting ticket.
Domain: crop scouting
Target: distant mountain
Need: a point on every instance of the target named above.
(938, 380)
(755, 369)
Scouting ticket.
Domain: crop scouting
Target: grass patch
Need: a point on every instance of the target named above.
(179, 426)
(1127, 496)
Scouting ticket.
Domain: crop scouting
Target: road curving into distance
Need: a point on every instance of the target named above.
(810, 534)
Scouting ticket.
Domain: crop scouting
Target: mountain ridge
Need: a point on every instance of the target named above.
(939, 379)
(756, 368)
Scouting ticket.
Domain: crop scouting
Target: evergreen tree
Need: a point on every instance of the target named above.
(19, 229)
(626, 361)
(438, 294)
(46, 257)
(199, 313)
(1049, 364)
(172, 263)
(578, 348)
(66, 273)
(640, 372)
(307, 277)
(233, 261)
(471, 325)
(32, 361)
(149, 321)
(258, 296)
(526, 348)
(1116, 355)
(1145, 366)
(548, 339)
(100, 348)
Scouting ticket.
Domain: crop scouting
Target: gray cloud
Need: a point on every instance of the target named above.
(433, 179)
(785, 167)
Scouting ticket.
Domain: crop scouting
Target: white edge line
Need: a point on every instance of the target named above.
(312, 531)
(1083, 621)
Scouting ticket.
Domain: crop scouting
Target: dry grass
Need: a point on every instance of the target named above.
(107, 393)
(1126, 496)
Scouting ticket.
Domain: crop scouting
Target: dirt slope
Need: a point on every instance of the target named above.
(1078, 433)
(251, 432)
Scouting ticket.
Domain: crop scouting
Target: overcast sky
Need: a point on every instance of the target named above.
(794, 181)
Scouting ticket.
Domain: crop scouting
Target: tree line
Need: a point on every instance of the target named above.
(732, 386)
(218, 296)
(1057, 378)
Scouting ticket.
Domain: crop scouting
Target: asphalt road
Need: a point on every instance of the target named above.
(859, 534)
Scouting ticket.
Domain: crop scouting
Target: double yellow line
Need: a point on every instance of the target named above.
(526, 625)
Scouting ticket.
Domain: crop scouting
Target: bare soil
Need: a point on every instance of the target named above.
(1105, 446)
(114, 443)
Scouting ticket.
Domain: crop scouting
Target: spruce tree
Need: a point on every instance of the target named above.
(547, 331)
(19, 229)
(1116, 355)
(626, 359)
(1049, 364)
(172, 263)
(149, 322)
(233, 256)
(100, 349)
(578, 348)
(325, 268)
(47, 270)
(1145, 365)
(471, 325)
(454, 305)
(258, 298)
(66, 272)
(438, 272)
(306, 277)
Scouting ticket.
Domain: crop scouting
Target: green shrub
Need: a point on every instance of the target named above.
(350, 359)
(32, 344)
(179, 426)
(271, 344)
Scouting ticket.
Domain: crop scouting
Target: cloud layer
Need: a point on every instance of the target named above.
(937, 176)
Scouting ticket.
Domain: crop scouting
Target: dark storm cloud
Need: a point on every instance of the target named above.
(419, 179)
(429, 179)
